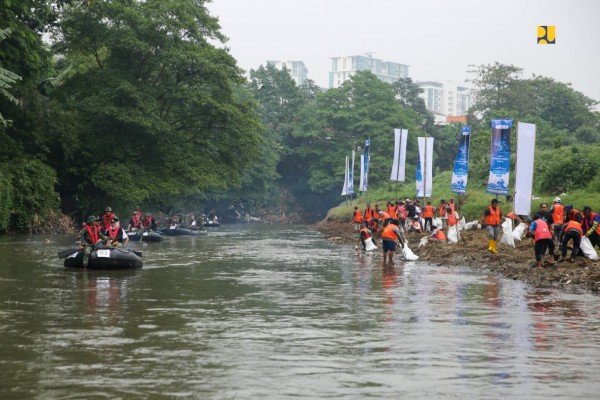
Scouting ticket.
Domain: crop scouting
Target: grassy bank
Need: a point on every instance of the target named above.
(471, 205)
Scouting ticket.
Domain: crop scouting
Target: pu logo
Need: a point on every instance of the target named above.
(546, 34)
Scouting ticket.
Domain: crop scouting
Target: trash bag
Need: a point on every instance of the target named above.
(472, 225)
(462, 223)
(369, 245)
(588, 249)
(453, 234)
(437, 222)
(507, 230)
(519, 231)
(408, 254)
(423, 242)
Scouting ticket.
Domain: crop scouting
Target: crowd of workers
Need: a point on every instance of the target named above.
(552, 227)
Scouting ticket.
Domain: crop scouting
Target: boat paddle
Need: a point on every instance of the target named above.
(67, 252)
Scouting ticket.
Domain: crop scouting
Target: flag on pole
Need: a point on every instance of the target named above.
(351, 175)
(499, 157)
(399, 163)
(460, 174)
(345, 189)
(524, 167)
(364, 167)
(424, 177)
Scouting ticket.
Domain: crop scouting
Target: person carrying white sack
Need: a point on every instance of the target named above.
(364, 234)
(391, 233)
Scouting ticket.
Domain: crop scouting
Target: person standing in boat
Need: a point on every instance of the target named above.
(115, 235)
(135, 222)
(89, 237)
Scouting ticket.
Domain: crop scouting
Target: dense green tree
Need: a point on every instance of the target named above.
(159, 110)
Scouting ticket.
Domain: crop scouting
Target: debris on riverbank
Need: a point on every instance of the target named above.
(472, 252)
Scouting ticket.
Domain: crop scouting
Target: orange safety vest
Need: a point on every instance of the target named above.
(452, 220)
(365, 233)
(442, 210)
(541, 230)
(494, 217)
(377, 214)
(558, 214)
(392, 211)
(383, 215)
(574, 226)
(357, 217)
(388, 232)
(440, 235)
(428, 212)
(368, 213)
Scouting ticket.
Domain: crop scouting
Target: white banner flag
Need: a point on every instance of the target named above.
(425, 167)
(399, 163)
(351, 175)
(361, 184)
(524, 168)
(345, 189)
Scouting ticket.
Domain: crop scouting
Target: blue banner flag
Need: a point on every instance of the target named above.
(364, 173)
(499, 157)
(460, 174)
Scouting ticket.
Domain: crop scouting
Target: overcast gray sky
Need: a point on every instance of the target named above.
(437, 38)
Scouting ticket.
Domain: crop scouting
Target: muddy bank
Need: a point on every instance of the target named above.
(472, 252)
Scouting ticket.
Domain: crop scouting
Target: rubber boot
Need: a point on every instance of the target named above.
(494, 247)
(490, 245)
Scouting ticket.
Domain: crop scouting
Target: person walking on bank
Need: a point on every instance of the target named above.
(540, 230)
(491, 216)
(572, 231)
(357, 219)
(558, 219)
(428, 216)
(391, 233)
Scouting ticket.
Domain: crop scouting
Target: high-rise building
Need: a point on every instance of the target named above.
(296, 69)
(445, 98)
(342, 68)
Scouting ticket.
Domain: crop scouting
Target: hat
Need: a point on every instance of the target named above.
(97, 218)
(91, 219)
(107, 209)
(557, 199)
(494, 201)
(114, 219)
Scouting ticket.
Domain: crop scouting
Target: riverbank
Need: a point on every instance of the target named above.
(472, 252)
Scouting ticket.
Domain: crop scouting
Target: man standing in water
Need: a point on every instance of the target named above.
(391, 233)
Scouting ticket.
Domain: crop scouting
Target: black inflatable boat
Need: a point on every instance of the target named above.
(144, 236)
(182, 232)
(109, 258)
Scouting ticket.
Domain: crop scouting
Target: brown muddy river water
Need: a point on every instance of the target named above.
(272, 312)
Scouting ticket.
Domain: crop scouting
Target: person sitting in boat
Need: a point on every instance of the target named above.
(107, 217)
(90, 236)
(135, 222)
(149, 223)
(115, 235)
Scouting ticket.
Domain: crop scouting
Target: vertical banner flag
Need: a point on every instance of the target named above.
(460, 174)
(424, 178)
(345, 189)
(364, 167)
(399, 164)
(524, 168)
(499, 157)
(351, 175)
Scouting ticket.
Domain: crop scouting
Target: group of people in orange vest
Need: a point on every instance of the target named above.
(550, 227)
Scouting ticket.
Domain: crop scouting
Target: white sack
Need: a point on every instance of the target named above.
(588, 249)
(507, 237)
(423, 242)
(437, 222)
(408, 254)
(472, 225)
(462, 223)
(453, 234)
(370, 246)
(519, 231)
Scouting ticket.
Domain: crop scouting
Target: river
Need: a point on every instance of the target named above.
(274, 311)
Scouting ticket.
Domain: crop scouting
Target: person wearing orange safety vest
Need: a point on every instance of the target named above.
(437, 235)
(357, 219)
(591, 225)
(428, 216)
(452, 216)
(391, 233)
(391, 209)
(558, 218)
(364, 234)
(442, 213)
(572, 231)
(368, 214)
(491, 216)
(540, 230)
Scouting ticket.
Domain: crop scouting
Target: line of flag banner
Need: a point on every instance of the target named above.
(498, 179)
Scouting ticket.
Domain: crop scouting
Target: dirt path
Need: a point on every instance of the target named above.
(472, 252)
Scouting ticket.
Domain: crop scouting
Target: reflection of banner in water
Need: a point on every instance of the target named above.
(364, 168)
(424, 167)
(399, 164)
(499, 157)
(345, 189)
(351, 175)
(524, 167)
(460, 174)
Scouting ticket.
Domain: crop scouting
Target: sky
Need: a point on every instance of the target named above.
(439, 39)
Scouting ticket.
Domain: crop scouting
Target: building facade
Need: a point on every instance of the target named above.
(297, 70)
(342, 68)
(446, 98)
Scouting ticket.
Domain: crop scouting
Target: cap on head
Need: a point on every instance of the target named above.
(107, 209)
(557, 199)
(91, 219)
(114, 219)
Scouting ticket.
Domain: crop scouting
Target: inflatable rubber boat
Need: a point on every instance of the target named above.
(108, 258)
(176, 231)
(144, 236)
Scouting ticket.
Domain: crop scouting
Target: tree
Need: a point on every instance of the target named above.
(7, 79)
(159, 110)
